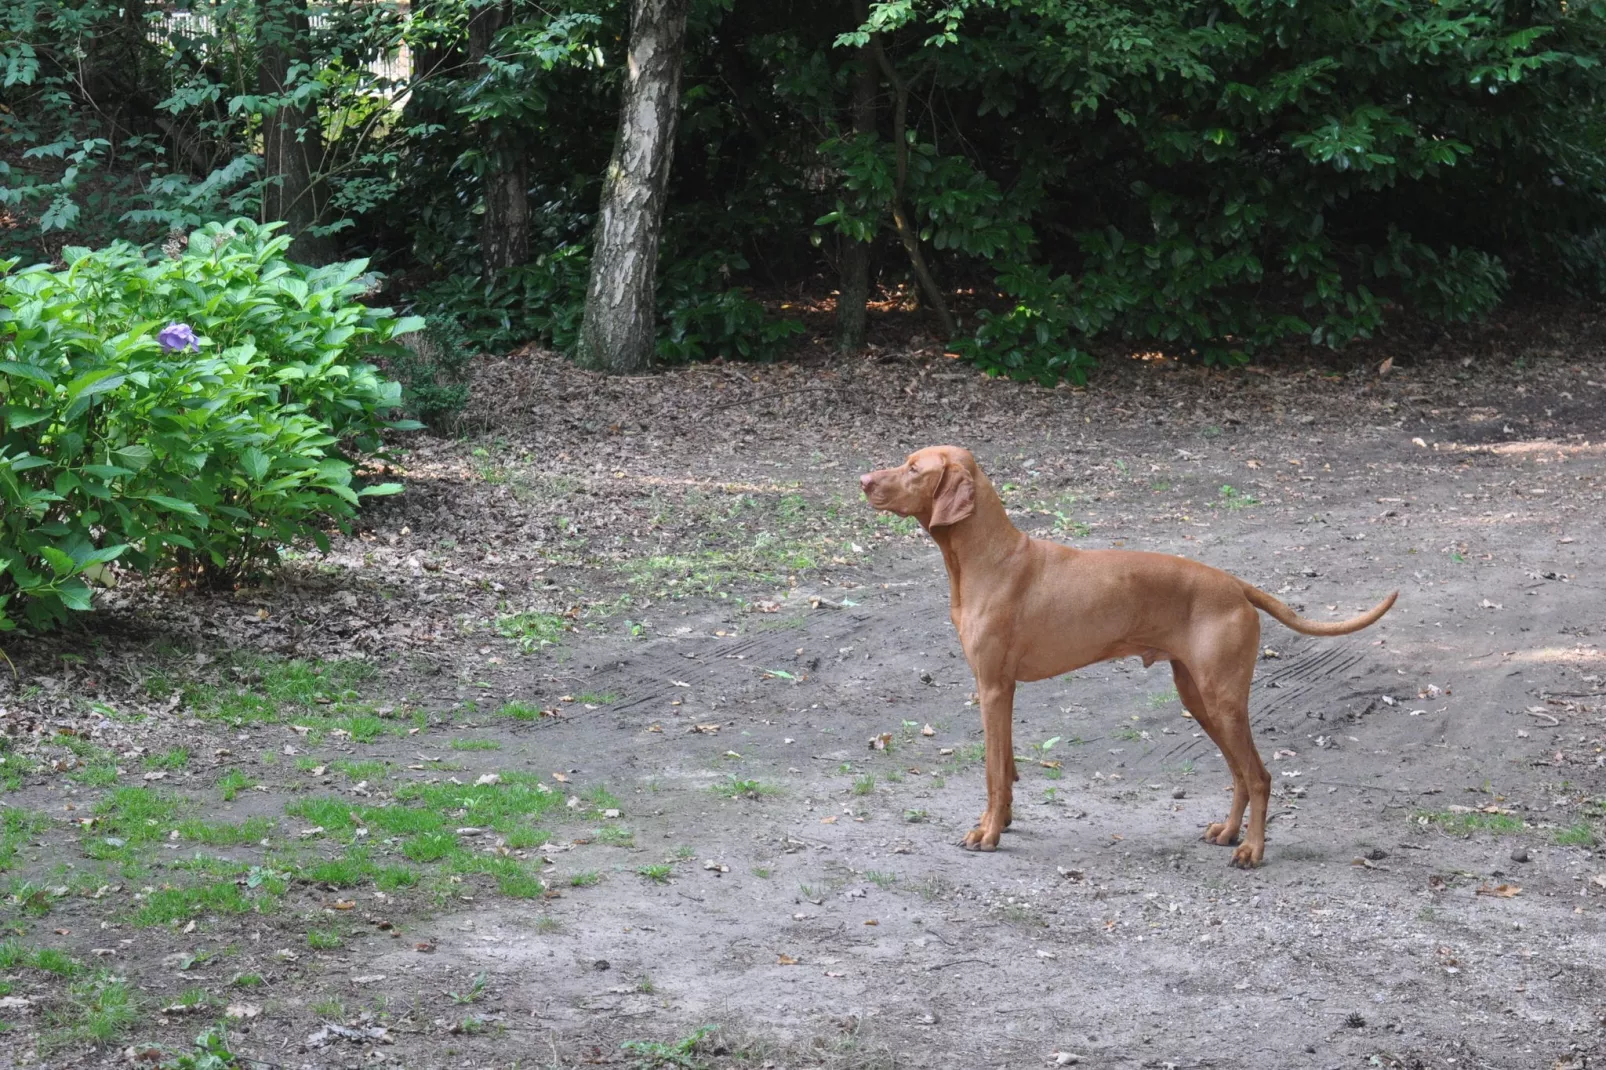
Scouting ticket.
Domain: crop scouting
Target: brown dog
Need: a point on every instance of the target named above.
(1027, 609)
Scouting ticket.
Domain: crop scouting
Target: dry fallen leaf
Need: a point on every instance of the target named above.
(241, 1010)
(881, 742)
(706, 729)
(489, 778)
(927, 730)
(828, 820)
(561, 778)
(1501, 891)
(785, 960)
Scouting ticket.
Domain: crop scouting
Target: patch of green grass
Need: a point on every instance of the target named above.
(395, 878)
(361, 770)
(584, 879)
(596, 698)
(168, 905)
(519, 710)
(523, 837)
(363, 727)
(98, 1011)
(970, 752)
(1162, 698)
(331, 1007)
(99, 768)
(658, 872)
(430, 846)
(733, 788)
(475, 744)
(1464, 824)
(172, 760)
(223, 834)
(248, 980)
(879, 879)
(616, 836)
(603, 799)
(1233, 498)
(1076, 529)
(403, 820)
(902, 525)
(654, 1055)
(1580, 834)
(30, 898)
(268, 690)
(520, 884)
(193, 997)
(323, 939)
(17, 827)
(231, 783)
(864, 784)
(517, 795)
(348, 871)
(762, 872)
(531, 630)
(135, 815)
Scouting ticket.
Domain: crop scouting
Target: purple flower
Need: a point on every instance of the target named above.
(178, 336)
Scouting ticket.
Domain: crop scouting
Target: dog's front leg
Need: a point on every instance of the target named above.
(997, 718)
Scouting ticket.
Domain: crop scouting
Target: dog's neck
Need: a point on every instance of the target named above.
(987, 534)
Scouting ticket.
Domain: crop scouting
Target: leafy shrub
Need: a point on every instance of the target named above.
(208, 457)
(702, 315)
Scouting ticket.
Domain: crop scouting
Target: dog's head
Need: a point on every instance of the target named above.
(936, 486)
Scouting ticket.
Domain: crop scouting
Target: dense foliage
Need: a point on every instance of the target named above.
(1204, 175)
(195, 410)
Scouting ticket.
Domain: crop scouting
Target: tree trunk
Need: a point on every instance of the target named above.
(854, 293)
(900, 220)
(617, 334)
(292, 144)
(505, 227)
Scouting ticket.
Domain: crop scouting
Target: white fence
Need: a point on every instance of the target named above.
(203, 22)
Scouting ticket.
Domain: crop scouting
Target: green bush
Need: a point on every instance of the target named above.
(207, 457)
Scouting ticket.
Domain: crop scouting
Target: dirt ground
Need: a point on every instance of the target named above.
(575, 745)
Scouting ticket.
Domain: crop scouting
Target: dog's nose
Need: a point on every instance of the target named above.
(865, 481)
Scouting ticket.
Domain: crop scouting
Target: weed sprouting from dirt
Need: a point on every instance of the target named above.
(677, 1055)
(1460, 822)
(531, 630)
(1579, 834)
(733, 788)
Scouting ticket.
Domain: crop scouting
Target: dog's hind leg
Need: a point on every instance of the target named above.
(1225, 832)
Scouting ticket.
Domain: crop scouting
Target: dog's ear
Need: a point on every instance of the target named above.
(955, 498)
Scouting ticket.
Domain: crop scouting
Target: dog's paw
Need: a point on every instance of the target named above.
(980, 839)
(1221, 834)
(1248, 856)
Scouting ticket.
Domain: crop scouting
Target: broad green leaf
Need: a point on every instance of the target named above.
(75, 595)
(136, 457)
(176, 505)
(60, 563)
(26, 371)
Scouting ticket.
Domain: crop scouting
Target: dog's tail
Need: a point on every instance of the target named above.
(1261, 600)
